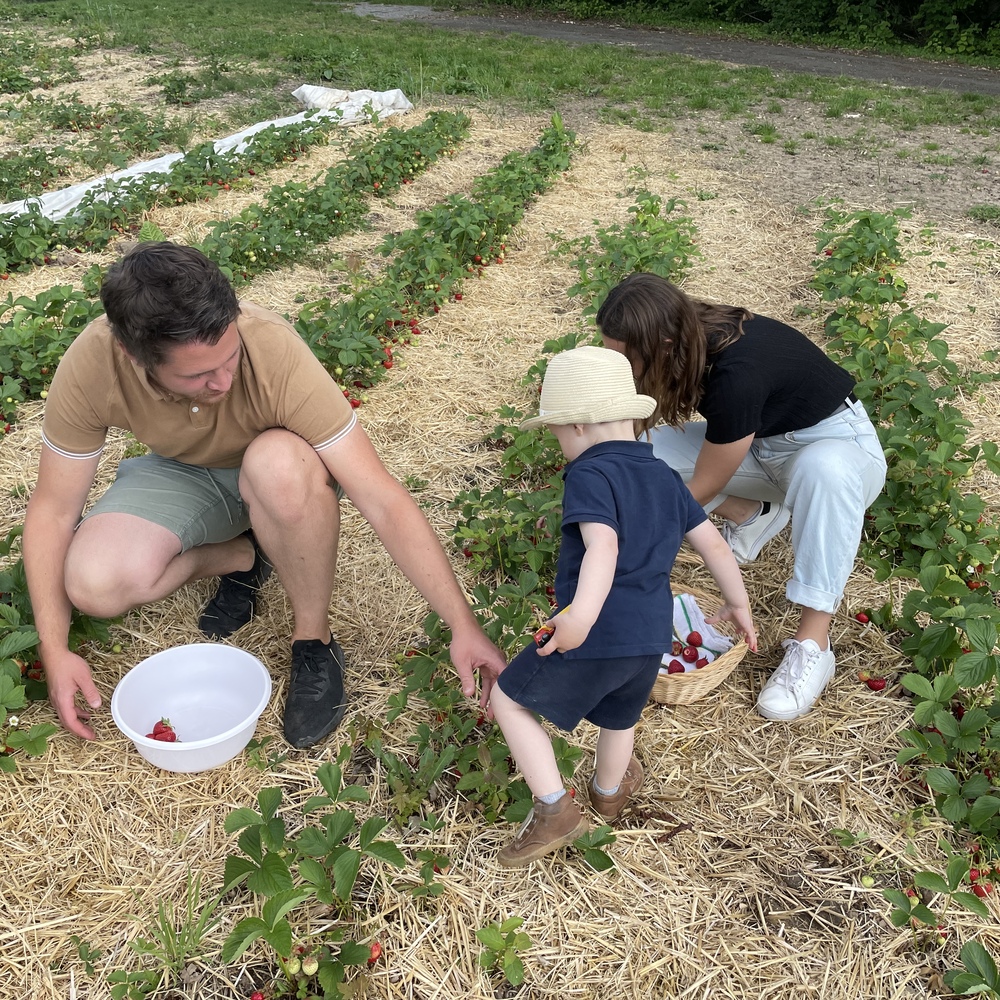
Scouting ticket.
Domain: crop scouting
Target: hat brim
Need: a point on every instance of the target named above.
(637, 408)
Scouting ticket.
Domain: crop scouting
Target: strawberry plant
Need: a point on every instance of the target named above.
(502, 940)
(925, 527)
(652, 240)
(980, 976)
(319, 863)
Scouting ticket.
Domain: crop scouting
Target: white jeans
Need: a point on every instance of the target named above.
(827, 474)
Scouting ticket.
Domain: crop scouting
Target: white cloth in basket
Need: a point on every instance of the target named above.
(688, 618)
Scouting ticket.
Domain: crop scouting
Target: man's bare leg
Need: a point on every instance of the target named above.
(296, 517)
(118, 561)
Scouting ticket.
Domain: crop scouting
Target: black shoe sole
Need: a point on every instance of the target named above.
(307, 741)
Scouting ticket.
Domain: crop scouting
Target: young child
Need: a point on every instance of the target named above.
(625, 514)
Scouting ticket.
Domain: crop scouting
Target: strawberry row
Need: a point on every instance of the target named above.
(355, 336)
(930, 529)
(509, 534)
(285, 228)
(295, 217)
(30, 238)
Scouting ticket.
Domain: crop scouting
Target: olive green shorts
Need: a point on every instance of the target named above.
(198, 505)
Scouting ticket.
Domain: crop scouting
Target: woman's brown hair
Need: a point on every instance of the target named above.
(669, 338)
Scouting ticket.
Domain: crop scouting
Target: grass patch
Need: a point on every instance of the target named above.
(318, 43)
(984, 213)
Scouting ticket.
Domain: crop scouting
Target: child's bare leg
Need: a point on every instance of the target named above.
(529, 745)
(614, 751)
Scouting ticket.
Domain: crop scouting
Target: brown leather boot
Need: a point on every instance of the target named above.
(609, 806)
(547, 828)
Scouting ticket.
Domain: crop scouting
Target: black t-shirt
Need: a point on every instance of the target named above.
(772, 380)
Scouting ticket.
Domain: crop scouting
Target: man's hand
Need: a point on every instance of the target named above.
(471, 651)
(66, 674)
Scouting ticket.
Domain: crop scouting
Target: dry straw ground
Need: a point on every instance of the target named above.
(729, 882)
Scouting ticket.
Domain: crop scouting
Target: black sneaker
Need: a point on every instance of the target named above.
(315, 703)
(236, 599)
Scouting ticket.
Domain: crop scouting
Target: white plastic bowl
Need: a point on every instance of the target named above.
(212, 694)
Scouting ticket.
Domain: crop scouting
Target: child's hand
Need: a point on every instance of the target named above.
(569, 633)
(741, 618)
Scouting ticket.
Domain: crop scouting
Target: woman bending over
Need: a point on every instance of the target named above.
(781, 436)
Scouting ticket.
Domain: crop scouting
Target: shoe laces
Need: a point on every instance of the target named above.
(796, 665)
(730, 531)
(312, 669)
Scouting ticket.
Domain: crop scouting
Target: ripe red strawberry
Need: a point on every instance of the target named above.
(375, 954)
(458, 296)
(982, 888)
(694, 638)
(702, 661)
(167, 736)
(677, 647)
(862, 617)
(876, 683)
(973, 874)
(162, 726)
(257, 995)
(675, 667)
(689, 654)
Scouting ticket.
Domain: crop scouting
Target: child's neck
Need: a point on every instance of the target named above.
(587, 435)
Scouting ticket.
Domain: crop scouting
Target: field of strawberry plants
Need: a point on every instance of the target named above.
(434, 262)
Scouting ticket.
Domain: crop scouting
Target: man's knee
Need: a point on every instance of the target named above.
(281, 470)
(106, 582)
(99, 589)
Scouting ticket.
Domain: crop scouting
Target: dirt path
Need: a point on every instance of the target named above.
(741, 52)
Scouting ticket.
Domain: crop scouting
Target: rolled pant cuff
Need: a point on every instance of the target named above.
(810, 597)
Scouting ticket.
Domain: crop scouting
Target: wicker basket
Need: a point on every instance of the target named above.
(687, 688)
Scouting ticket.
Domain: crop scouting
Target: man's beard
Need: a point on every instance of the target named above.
(202, 398)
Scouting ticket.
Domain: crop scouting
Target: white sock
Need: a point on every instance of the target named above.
(552, 797)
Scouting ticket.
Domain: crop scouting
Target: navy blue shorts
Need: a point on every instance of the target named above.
(610, 693)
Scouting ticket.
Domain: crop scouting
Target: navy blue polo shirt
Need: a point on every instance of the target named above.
(622, 484)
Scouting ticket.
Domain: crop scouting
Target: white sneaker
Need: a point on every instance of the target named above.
(746, 540)
(799, 680)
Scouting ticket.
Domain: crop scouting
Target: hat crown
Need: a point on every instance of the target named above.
(589, 385)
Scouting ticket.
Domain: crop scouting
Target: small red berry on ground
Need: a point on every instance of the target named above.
(876, 683)
(862, 617)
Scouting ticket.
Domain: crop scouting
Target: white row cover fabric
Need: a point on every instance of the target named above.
(350, 107)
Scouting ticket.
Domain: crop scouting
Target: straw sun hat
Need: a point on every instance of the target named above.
(589, 385)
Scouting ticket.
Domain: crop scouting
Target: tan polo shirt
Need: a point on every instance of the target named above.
(279, 383)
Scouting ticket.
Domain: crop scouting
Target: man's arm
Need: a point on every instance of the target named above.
(53, 513)
(416, 550)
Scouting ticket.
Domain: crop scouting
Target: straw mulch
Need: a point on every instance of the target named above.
(728, 882)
